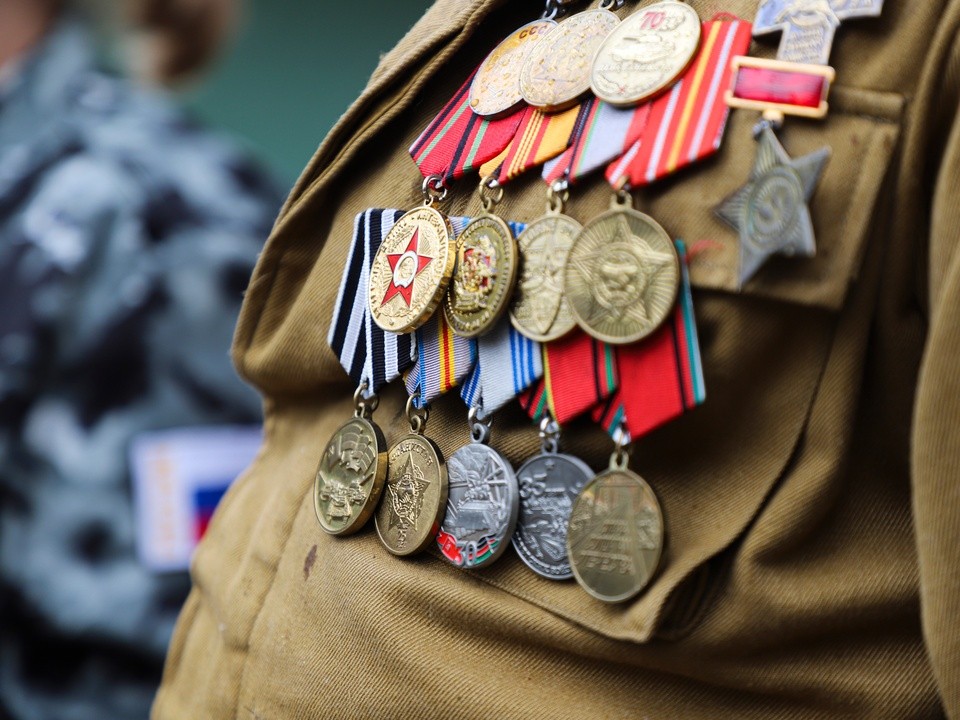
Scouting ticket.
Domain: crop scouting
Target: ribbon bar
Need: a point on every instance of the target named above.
(780, 88)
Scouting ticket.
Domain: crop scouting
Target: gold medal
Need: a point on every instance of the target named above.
(645, 53)
(411, 270)
(415, 498)
(540, 311)
(556, 73)
(615, 536)
(622, 276)
(483, 278)
(495, 89)
(351, 473)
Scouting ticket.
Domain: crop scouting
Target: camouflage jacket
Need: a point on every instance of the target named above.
(127, 236)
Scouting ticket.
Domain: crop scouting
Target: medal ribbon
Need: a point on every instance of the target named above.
(578, 373)
(459, 141)
(444, 358)
(686, 124)
(507, 364)
(606, 133)
(540, 137)
(662, 377)
(366, 352)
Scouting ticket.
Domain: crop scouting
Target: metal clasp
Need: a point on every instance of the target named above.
(417, 416)
(364, 405)
(434, 189)
(558, 192)
(491, 193)
(623, 198)
(623, 449)
(479, 425)
(549, 435)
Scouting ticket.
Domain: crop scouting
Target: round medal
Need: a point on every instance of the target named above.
(483, 277)
(481, 507)
(557, 71)
(549, 483)
(415, 497)
(615, 537)
(540, 311)
(646, 53)
(350, 477)
(622, 276)
(495, 89)
(411, 270)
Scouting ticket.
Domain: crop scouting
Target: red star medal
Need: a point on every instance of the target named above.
(406, 266)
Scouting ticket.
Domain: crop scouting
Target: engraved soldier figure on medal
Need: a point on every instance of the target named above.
(770, 212)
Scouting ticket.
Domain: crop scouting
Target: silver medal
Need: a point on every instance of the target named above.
(549, 483)
(482, 504)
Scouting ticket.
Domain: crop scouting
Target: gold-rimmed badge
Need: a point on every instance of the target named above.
(622, 275)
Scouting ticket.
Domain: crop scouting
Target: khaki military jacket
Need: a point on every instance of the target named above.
(812, 504)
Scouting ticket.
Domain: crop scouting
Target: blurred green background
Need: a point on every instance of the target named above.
(294, 68)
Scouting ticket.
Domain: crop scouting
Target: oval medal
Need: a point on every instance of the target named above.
(646, 53)
(549, 483)
(615, 537)
(557, 71)
(415, 497)
(411, 270)
(495, 89)
(483, 277)
(539, 310)
(350, 477)
(482, 507)
(622, 276)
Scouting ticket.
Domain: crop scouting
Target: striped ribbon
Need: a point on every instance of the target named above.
(458, 141)
(578, 373)
(607, 132)
(366, 352)
(662, 377)
(540, 137)
(507, 364)
(686, 124)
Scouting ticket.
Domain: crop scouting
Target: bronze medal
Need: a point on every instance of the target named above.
(415, 497)
(411, 270)
(646, 53)
(616, 534)
(495, 89)
(622, 276)
(556, 73)
(350, 477)
(483, 277)
(539, 310)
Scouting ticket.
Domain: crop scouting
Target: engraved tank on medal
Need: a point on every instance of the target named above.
(482, 505)
(646, 53)
(411, 270)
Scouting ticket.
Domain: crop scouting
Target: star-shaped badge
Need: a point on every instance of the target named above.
(406, 266)
(770, 212)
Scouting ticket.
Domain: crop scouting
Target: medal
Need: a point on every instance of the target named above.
(622, 275)
(482, 503)
(616, 533)
(416, 493)
(352, 471)
(771, 211)
(485, 272)
(549, 483)
(645, 53)
(411, 270)
(495, 89)
(808, 26)
(539, 310)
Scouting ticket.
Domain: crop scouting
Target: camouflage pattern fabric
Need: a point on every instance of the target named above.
(127, 236)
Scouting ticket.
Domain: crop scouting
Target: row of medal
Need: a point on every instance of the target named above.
(593, 310)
